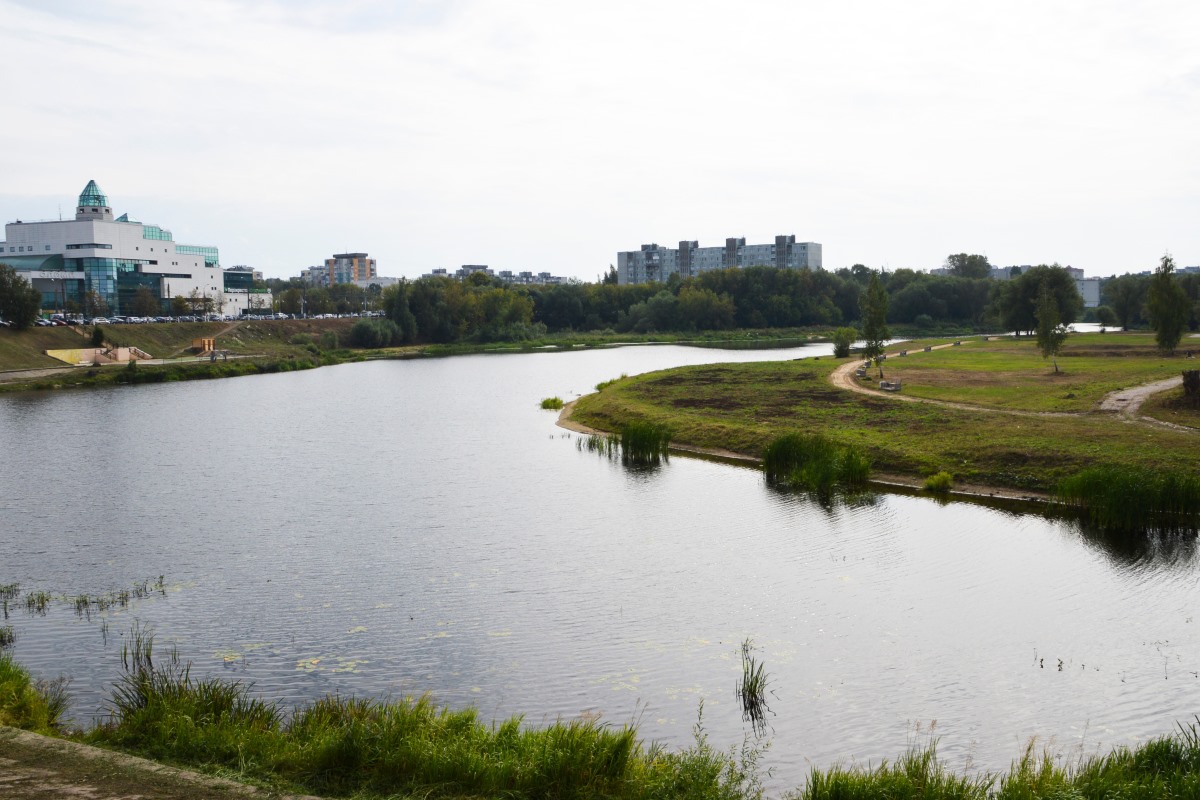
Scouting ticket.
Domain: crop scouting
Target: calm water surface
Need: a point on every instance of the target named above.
(393, 528)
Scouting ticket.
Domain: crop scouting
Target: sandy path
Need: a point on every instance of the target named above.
(1123, 402)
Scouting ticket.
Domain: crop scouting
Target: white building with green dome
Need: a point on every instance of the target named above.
(113, 257)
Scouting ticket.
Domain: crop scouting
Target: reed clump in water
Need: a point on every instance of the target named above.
(552, 403)
(814, 463)
(752, 690)
(639, 444)
(1132, 499)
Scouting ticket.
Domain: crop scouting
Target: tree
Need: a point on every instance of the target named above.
(1106, 316)
(1015, 301)
(1168, 305)
(842, 339)
(1126, 295)
(146, 303)
(874, 306)
(179, 305)
(963, 265)
(20, 303)
(290, 301)
(1051, 333)
(610, 277)
(94, 305)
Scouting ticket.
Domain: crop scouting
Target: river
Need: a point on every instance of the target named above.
(392, 528)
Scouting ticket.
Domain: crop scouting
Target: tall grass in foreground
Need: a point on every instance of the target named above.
(813, 463)
(1166, 767)
(639, 444)
(1131, 499)
(344, 745)
(28, 704)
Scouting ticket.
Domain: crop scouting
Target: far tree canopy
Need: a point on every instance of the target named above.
(20, 303)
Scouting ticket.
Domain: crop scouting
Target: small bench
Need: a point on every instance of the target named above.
(903, 352)
(928, 349)
(860, 373)
(956, 344)
(889, 386)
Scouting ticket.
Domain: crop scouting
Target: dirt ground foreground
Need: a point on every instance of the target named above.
(34, 767)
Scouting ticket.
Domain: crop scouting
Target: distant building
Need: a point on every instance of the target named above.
(69, 261)
(525, 278)
(350, 267)
(655, 263)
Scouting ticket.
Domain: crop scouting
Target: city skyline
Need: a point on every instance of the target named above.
(535, 136)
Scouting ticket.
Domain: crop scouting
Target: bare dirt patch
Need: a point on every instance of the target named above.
(36, 767)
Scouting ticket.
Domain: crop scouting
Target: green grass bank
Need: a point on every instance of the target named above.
(1004, 440)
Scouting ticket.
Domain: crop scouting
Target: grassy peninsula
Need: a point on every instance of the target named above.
(990, 413)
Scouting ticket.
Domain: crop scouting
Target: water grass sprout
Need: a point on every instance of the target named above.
(552, 403)
(752, 689)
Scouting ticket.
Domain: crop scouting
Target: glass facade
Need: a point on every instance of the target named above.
(239, 280)
(129, 281)
(106, 275)
(211, 257)
(156, 233)
(92, 196)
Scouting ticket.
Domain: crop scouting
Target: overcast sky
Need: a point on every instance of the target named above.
(548, 134)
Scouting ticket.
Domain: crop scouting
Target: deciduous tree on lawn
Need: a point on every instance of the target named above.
(1051, 333)
(1168, 305)
(874, 306)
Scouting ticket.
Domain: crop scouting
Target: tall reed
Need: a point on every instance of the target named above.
(639, 444)
(814, 463)
(1133, 499)
(752, 690)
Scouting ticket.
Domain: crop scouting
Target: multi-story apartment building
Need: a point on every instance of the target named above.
(350, 267)
(655, 263)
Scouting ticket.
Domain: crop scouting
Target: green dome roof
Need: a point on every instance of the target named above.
(92, 196)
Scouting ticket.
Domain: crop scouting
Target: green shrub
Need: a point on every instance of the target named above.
(842, 339)
(939, 482)
(27, 704)
(329, 340)
(302, 339)
(375, 333)
(97, 336)
(553, 403)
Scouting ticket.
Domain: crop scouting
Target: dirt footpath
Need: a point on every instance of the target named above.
(36, 767)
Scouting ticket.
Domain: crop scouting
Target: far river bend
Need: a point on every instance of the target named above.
(398, 527)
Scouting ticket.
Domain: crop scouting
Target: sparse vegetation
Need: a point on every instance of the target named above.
(940, 482)
(552, 403)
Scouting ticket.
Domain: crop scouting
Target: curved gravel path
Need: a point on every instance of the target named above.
(1124, 403)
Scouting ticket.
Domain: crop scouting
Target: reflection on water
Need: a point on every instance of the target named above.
(394, 528)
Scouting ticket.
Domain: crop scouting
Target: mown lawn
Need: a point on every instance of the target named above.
(742, 407)
(1011, 373)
